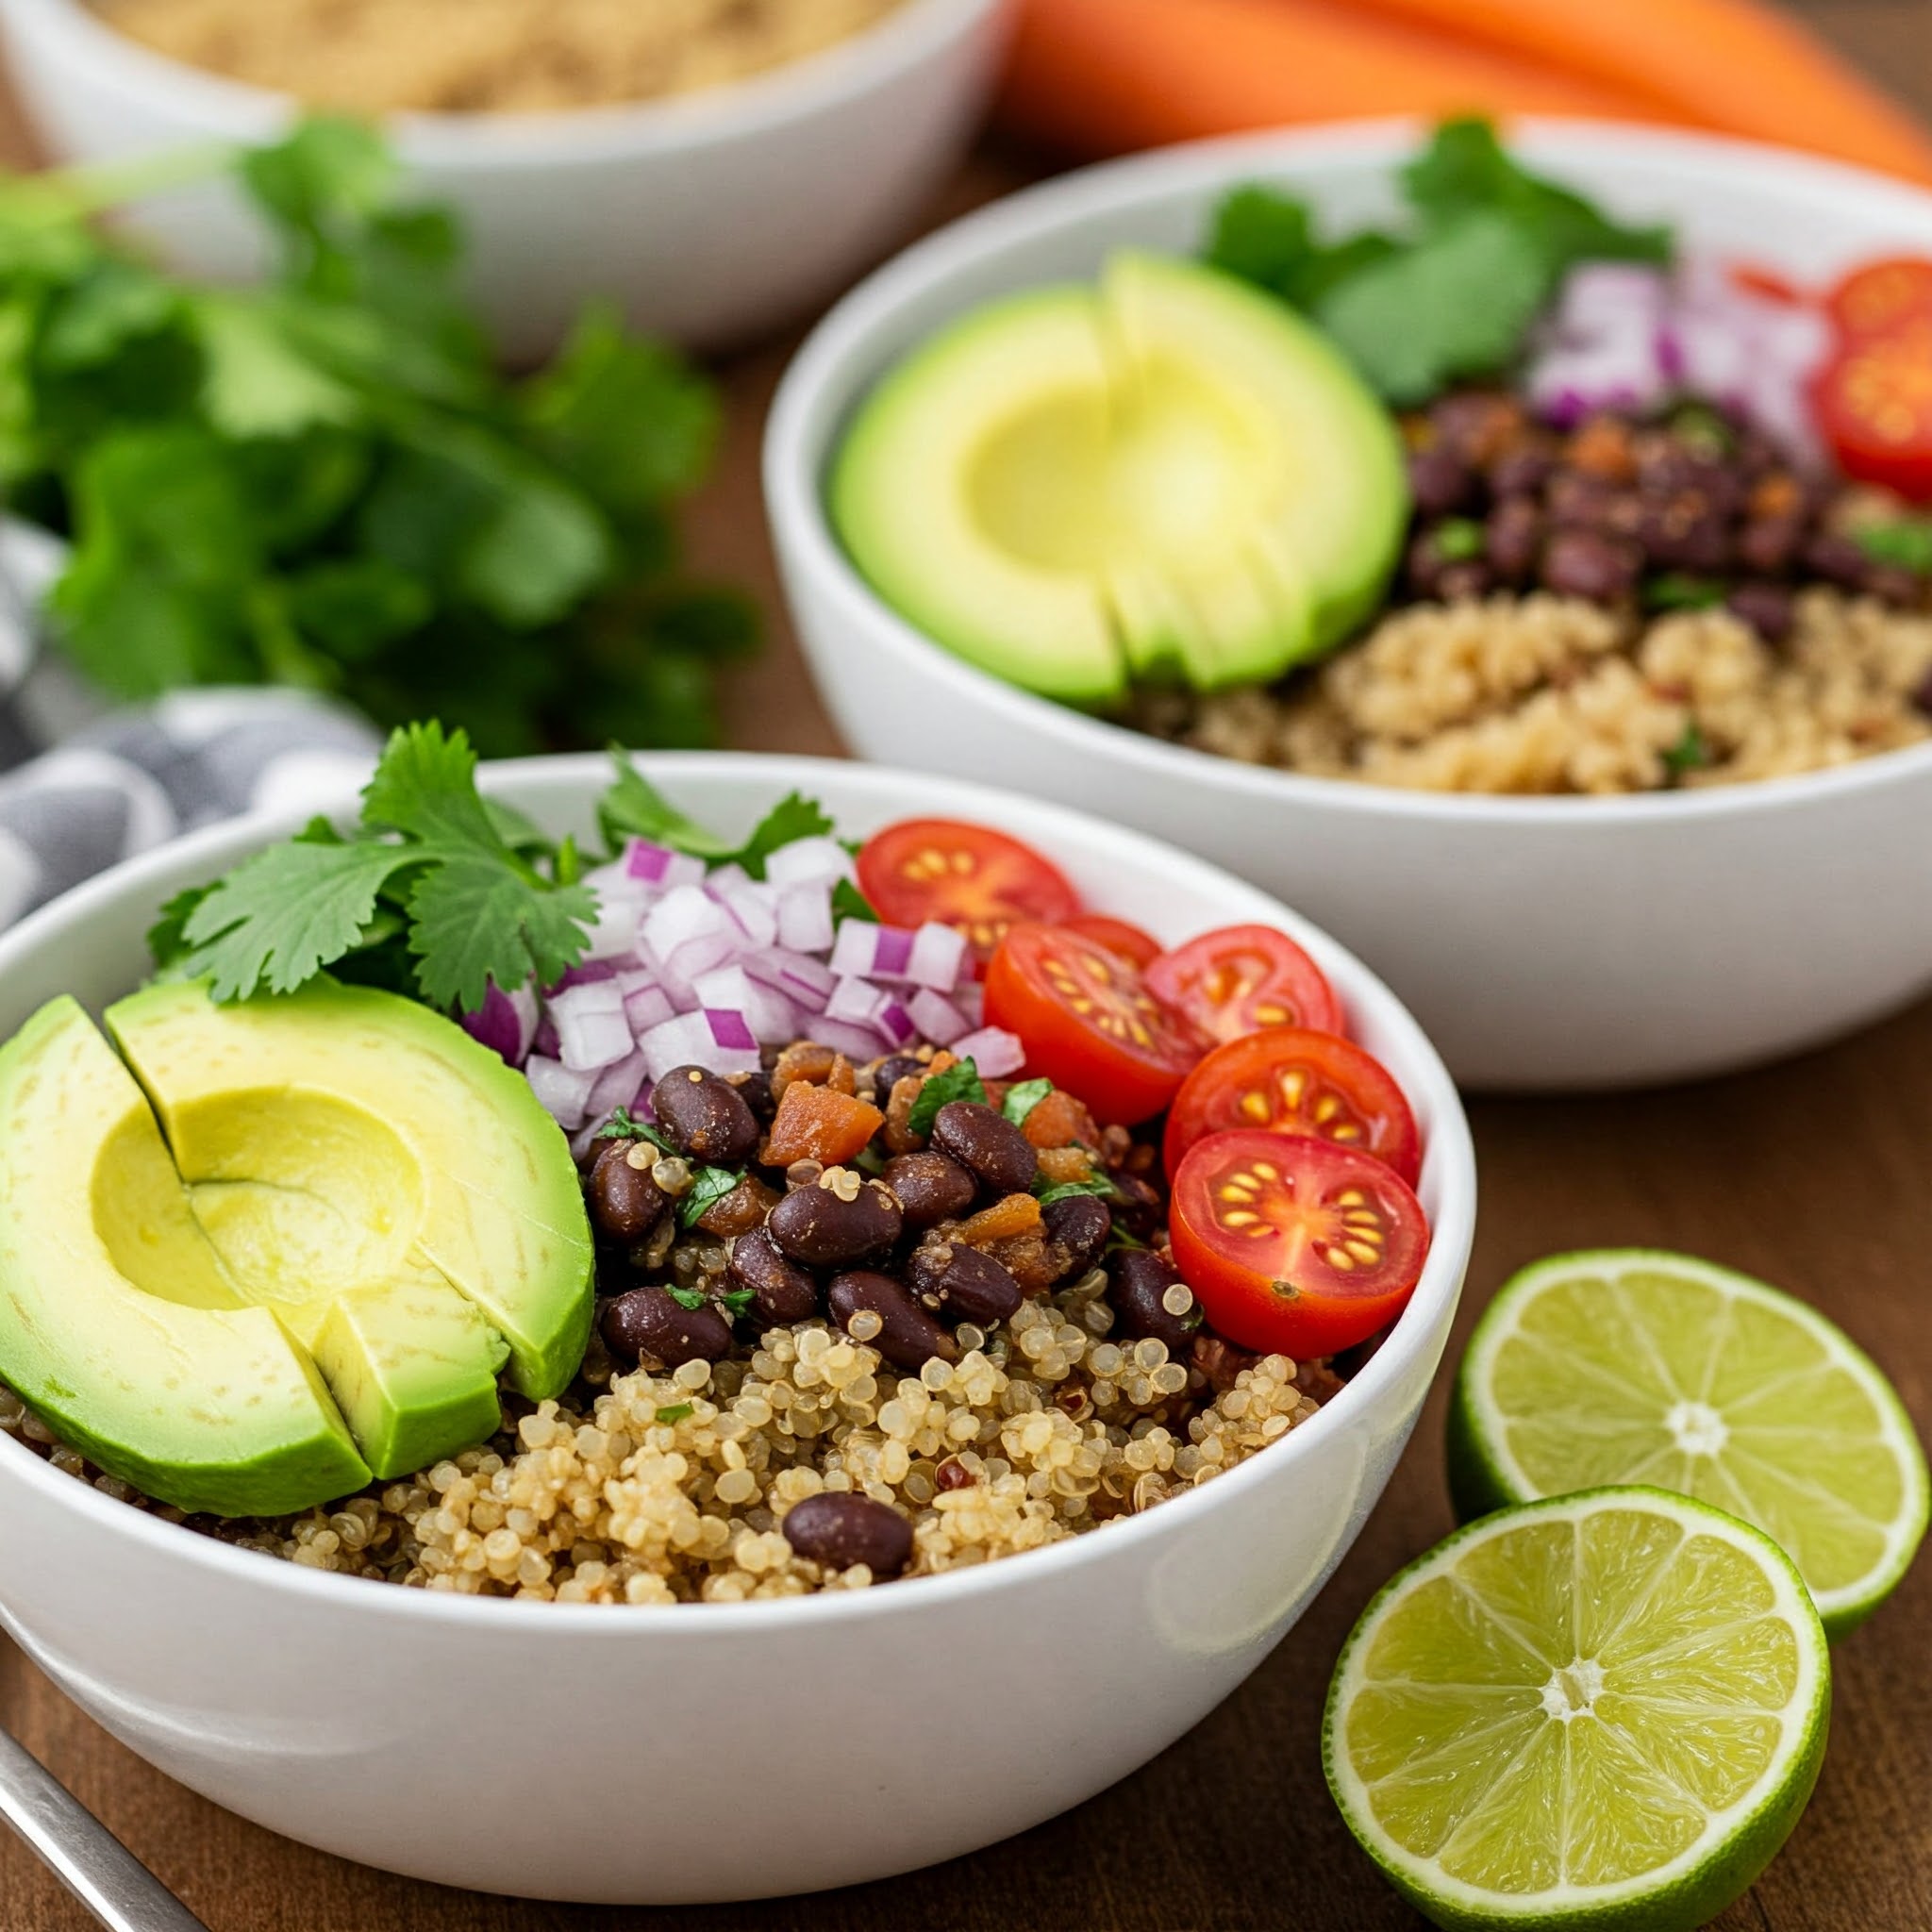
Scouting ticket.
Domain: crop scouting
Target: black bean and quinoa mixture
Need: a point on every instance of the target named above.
(1624, 606)
(943, 1349)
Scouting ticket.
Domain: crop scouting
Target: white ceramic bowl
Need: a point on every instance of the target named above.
(1543, 942)
(576, 1751)
(711, 217)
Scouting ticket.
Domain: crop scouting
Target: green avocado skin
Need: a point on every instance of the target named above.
(152, 1330)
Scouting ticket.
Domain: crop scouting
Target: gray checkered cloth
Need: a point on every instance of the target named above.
(83, 787)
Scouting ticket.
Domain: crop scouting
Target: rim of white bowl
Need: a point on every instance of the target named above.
(838, 75)
(1449, 1151)
(796, 451)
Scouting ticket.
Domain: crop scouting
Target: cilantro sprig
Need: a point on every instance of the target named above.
(960, 1081)
(1455, 292)
(325, 480)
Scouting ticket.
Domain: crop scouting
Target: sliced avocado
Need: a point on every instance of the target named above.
(1189, 483)
(116, 1323)
(357, 1216)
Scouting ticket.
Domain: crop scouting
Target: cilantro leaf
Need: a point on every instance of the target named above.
(708, 1188)
(426, 788)
(167, 938)
(1675, 590)
(960, 1081)
(476, 916)
(848, 902)
(1906, 543)
(677, 1412)
(738, 1301)
(1023, 1099)
(633, 808)
(794, 817)
(280, 916)
(624, 1125)
(685, 1297)
(1689, 754)
(1065, 1190)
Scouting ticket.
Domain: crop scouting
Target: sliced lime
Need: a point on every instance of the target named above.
(1607, 1710)
(1630, 1366)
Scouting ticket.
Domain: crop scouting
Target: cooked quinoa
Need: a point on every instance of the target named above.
(489, 56)
(1543, 693)
(670, 1488)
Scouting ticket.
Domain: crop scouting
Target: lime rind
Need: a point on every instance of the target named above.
(1484, 1474)
(1739, 1840)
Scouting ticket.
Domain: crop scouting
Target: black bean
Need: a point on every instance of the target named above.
(839, 1529)
(907, 1336)
(1838, 559)
(1521, 472)
(1587, 563)
(988, 1144)
(1514, 538)
(1686, 532)
(1080, 1224)
(930, 1188)
(755, 1090)
(1581, 503)
(960, 1284)
(704, 1116)
(783, 1290)
(836, 1220)
(625, 1203)
(1464, 581)
(1138, 1206)
(1766, 607)
(1769, 543)
(648, 1321)
(1138, 1291)
(894, 1067)
(1440, 480)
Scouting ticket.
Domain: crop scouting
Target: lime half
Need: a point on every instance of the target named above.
(1630, 1366)
(1603, 1711)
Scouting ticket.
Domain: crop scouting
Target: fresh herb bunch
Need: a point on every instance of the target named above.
(1453, 297)
(325, 480)
(436, 892)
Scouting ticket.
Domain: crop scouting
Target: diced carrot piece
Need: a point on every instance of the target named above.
(1014, 1214)
(819, 1123)
(1058, 1120)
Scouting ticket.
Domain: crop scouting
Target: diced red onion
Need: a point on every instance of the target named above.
(805, 917)
(808, 863)
(585, 973)
(865, 951)
(543, 1042)
(856, 1001)
(592, 1030)
(802, 980)
(755, 906)
(617, 1086)
(939, 957)
(657, 865)
(645, 1007)
(687, 932)
(564, 1095)
(996, 1052)
(858, 1044)
(937, 1017)
(897, 1024)
(615, 933)
(773, 1019)
(971, 1001)
(503, 1022)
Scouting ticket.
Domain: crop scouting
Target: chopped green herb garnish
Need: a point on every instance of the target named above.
(634, 809)
(960, 1081)
(1118, 1237)
(1689, 754)
(687, 1297)
(848, 902)
(1458, 539)
(1455, 296)
(1023, 1099)
(624, 1125)
(1065, 1190)
(1906, 543)
(739, 1300)
(709, 1187)
(1678, 590)
(674, 1412)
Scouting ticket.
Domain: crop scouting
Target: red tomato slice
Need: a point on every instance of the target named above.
(1294, 1245)
(1138, 948)
(1881, 297)
(1089, 1024)
(1295, 1081)
(1874, 402)
(1242, 978)
(970, 877)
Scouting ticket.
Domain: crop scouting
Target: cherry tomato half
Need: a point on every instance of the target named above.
(1139, 948)
(1295, 1081)
(1873, 404)
(1242, 978)
(1089, 1024)
(970, 877)
(1294, 1245)
(1881, 297)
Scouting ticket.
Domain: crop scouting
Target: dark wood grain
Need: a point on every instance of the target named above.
(1813, 1175)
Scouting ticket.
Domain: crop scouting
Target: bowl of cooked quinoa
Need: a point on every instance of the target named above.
(1612, 746)
(861, 1535)
(714, 166)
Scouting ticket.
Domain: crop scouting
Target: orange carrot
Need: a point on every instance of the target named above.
(1735, 65)
(1105, 76)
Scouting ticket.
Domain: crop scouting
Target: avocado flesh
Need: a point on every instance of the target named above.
(117, 1322)
(1172, 451)
(357, 1217)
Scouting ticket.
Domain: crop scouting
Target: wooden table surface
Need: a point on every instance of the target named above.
(1814, 1174)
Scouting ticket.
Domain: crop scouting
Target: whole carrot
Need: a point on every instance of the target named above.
(1734, 65)
(1105, 76)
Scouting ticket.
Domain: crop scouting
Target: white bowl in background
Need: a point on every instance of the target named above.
(600, 1753)
(711, 217)
(1545, 943)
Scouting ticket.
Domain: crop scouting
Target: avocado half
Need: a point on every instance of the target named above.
(269, 1250)
(1168, 478)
